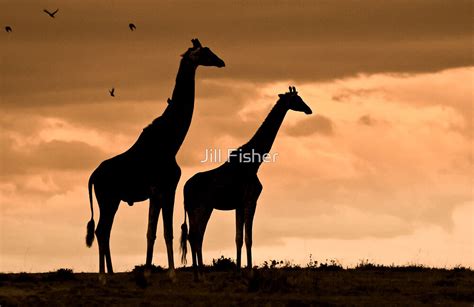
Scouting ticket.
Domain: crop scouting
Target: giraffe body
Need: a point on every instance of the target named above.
(148, 170)
(224, 187)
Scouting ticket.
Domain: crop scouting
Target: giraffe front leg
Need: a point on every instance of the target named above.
(239, 234)
(168, 206)
(153, 214)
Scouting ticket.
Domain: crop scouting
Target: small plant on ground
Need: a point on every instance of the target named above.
(365, 264)
(223, 264)
(411, 267)
(153, 268)
(61, 275)
(312, 264)
(460, 268)
(331, 265)
(272, 264)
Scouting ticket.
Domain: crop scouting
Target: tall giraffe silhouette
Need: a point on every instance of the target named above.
(148, 170)
(233, 186)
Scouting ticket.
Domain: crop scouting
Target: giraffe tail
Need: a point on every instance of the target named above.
(184, 240)
(91, 223)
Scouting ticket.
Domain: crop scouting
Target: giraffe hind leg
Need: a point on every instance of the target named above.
(203, 220)
(194, 257)
(100, 242)
(192, 243)
(103, 231)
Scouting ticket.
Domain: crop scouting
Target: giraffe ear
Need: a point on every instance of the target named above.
(280, 95)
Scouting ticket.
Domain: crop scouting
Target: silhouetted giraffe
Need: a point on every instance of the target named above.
(148, 170)
(234, 185)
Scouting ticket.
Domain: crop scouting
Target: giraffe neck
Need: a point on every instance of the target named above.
(179, 112)
(261, 143)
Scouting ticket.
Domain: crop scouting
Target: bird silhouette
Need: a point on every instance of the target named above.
(112, 92)
(8, 28)
(132, 26)
(51, 14)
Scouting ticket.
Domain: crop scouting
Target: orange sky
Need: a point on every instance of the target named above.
(382, 170)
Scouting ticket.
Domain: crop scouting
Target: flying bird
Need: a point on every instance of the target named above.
(8, 28)
(132, 27)
(112, 92)
(51, 14)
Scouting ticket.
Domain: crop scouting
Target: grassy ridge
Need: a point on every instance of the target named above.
(275, 283)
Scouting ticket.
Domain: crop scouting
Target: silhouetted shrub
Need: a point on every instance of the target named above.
(312, 264)
(460, 268)
(153, 268)
(364, 264)
(409, 268)
(65, 273)
(138, 274)
(60, 275)
(272, 264)
(223, 264)
(332, 265)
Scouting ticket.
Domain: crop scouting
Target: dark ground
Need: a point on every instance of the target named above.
(369, 285)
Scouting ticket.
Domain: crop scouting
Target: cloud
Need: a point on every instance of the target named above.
(317, 124)
(76, 59)
(366, 120)
(347, 94)
(47, 156)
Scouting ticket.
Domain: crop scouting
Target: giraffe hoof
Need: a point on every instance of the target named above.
(172, 276)
(102, 279)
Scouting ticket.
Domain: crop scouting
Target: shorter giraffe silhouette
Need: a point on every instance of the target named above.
(233, 186)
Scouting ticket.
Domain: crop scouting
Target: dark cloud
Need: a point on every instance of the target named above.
(88, 48)
(316, 124)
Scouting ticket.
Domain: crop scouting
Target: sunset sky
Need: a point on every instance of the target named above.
(382, 170)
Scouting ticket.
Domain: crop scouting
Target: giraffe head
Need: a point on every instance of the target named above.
(294, 102)
(200, 55)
